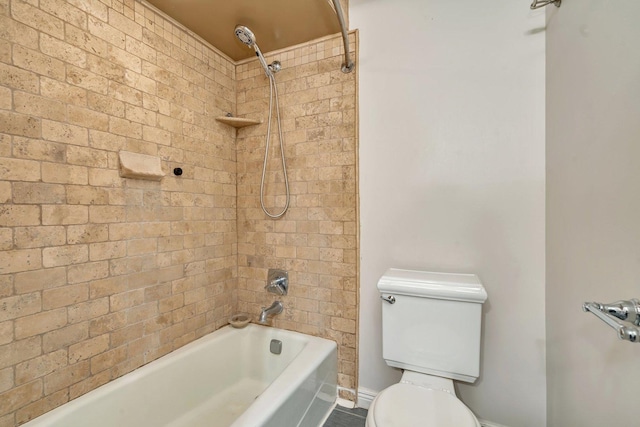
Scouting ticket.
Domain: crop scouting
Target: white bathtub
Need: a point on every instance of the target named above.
(228, 378)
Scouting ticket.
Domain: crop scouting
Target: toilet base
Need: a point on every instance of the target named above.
(420, 399)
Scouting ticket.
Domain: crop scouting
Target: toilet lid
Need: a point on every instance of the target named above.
(406, 405)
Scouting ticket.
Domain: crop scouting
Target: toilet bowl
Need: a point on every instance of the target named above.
(420, 402)
(431, 330)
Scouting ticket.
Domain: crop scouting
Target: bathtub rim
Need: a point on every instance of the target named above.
(301, 367)
(316, 346)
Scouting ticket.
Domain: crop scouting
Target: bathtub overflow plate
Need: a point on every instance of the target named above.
(276, 346)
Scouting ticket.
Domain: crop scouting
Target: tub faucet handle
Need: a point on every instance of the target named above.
(277, 282)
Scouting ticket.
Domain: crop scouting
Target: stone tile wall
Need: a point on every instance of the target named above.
(99, 274)
(316, 240)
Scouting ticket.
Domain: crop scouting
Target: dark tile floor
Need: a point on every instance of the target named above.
(343, 417)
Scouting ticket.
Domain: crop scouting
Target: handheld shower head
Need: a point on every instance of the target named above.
(247, 37)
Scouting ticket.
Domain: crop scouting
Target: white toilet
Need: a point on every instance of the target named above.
(431, 329)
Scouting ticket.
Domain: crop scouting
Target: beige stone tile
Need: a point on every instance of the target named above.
(87, 272)
(124, 24)
(126, 335)
(19, 124)
(38, 150)
(64, 296)
(95, 381)
(101, 29)
(64, 255)
(106, 68)
(17, 78)
(87, 80)
(105, 178)
(5, 192)
(16, 261)
(40, 366)
(88, 310)
(6, 379)
(5, 145)
(80, 38)
(37, 19)
(20, 305)
(20, 396)
(65, 11)
(67, 376)
(16, 32)
(106, 287)
(156, 104)
(19, 351)
(106, 104)
(63, 51)
(108, 359)
(36, 237)
(6, 243)
(125, 128)
(85, 195)
(107, 250)
(87, 157)
(63, 337)
(32, 60)
(39, 323)
(60, 91)
(41, 406)
(19, 170)
(107, 323)
(125, 93)
(94, 8)
(87, 233)
(87, 118)
(142, 116)
(37, 193)
(88, 348)
(107, 214)
(37, 280)
(64, 174)
(64, 214)
(5, 50)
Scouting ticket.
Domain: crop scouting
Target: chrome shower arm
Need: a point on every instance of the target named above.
(348, 65)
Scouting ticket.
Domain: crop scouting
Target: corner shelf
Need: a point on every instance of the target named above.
(238, 122)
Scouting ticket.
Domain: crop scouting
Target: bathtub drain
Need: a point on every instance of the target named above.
(275, 346)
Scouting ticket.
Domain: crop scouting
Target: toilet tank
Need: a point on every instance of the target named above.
(433, 324)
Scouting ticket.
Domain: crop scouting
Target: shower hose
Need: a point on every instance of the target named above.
(273, 89)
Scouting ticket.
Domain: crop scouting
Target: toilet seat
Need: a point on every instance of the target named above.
(408, 405)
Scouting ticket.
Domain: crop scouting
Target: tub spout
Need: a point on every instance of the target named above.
(276, 308)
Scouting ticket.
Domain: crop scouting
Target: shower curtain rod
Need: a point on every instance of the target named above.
(348, 65)
(537, 4)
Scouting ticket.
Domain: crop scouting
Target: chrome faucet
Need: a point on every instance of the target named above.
(276, 308)
(277, 282)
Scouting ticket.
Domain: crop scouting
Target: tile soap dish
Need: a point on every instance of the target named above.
(239, 321)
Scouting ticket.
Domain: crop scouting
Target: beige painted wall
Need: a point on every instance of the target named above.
(452, 179)
(593, 210)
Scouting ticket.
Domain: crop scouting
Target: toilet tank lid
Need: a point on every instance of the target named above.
(449, 286)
